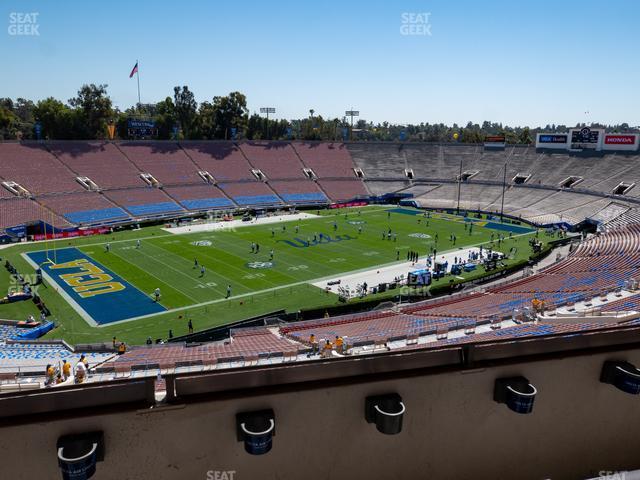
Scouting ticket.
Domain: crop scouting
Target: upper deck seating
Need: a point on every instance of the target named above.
(36, 169)
(223, 160)
(167, 162)
(102, 162)
(327, 160)
(277, 160)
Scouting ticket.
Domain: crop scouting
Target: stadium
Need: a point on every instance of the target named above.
(313, 299)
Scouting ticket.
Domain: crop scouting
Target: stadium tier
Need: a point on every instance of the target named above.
(247, 194)
(35, 356)
(277, 160)
(33, 167)
(102, 162)
(303, 191)
(223, 160)
(165, 161)
(199, 197)
(23, 211)
(95, 208)
(541, 187)
(343, 190)
(144, 202)
(327, 160)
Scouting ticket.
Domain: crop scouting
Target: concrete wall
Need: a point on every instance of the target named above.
(452, 429)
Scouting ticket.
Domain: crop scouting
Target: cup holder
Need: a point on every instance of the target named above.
(386, 411)
(78, 455)
(622, 375)
(256, 430)
(517, 393)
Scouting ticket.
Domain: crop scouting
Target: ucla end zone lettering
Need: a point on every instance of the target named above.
(101, 294)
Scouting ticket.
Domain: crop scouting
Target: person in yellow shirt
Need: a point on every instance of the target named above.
(122, 348)
(328, 347)
(339, 344)
(51, 374)
(314, 344)
(66, 369)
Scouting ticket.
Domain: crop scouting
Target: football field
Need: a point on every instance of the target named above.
(104, 286)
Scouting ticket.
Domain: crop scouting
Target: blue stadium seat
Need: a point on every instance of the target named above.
(205, 203)
(154, 208)
(257, 200)
(96, 216)
(311, 197)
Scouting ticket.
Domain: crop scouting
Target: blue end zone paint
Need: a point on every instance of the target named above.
(120, 299)
(405, 211)
(94, 216)
(153, 208)
(203, 203)
(507, 227)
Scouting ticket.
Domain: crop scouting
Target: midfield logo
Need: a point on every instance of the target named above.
(320, 239)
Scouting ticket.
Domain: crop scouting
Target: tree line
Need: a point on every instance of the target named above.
(88, 115)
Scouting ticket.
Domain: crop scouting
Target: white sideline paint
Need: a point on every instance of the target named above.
(233, 224)
(388, 274)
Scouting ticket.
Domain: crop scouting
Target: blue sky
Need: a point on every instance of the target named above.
(520, 63)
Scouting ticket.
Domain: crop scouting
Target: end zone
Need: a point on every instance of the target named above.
(98, 295)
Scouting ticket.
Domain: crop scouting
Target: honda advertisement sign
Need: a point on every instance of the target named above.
(621, 141)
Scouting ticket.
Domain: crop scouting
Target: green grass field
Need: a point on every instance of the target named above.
(166, 261)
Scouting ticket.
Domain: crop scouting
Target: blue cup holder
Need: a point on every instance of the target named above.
(256, 430)
(79, 454)
(517, 393)
(622, 375)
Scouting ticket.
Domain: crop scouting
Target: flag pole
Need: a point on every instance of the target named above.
(138, 78)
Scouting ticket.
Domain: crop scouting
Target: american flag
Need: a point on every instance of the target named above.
(134, 71)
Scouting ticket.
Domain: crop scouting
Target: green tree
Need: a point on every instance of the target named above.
(93, 109)
(55, 118)
(229, 112)
(186, 109)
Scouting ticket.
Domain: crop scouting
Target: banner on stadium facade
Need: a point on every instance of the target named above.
(621, 141)
(495, 141)
(586, 138)
(18, 231)
(72, 233)
(552, 140)
(348, 204)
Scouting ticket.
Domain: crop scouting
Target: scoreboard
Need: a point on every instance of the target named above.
(138, 128)
(586, 138)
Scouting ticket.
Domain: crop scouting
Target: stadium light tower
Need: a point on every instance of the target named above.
(352, 113)
(267, 110)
